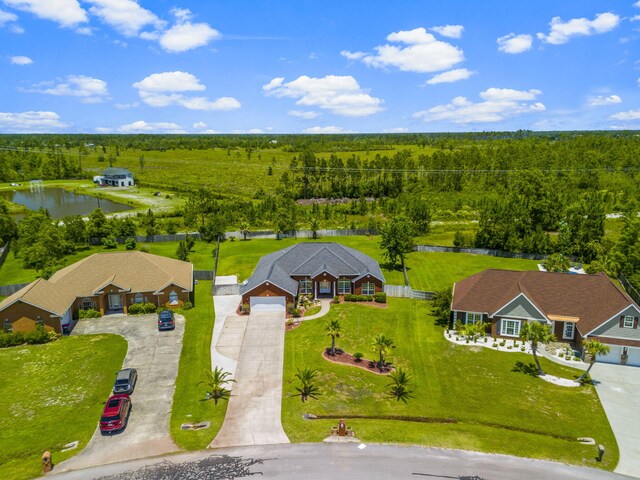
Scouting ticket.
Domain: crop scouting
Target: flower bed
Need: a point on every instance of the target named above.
(344, 358)
(499, 344)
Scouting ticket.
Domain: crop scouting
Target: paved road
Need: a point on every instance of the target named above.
(339, 461)
(619, 390)
(253, 414)
(156, 356)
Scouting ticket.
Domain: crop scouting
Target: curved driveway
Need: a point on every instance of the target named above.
(156, 356)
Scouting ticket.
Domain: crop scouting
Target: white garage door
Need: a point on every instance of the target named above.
(634, 357)
(268, 304)
(613, 356)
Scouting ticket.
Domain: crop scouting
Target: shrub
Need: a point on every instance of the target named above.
(380, 297)
(109, 242)
(144, 249)
(358, 356)
(35, 337)
(130, 243)
(503, 343)
(187, 306)
(244, 308)
(89, 313)
(522, 348)
(510, 347)
(350, 297)
(336, 299)
(141, 308)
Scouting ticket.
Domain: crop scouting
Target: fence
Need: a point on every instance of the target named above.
(401, 291)
(6, 290)
(4, 251)
(203, 274)
(299, 234)
(483, 251)
(633, 293)
(151, 239)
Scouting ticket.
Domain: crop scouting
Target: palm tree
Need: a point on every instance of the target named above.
(244, 229)
(307, 388)
(216, 382)
(315, 226)
(593, 348)
(537, 333)
(333, 330)
(383, 345)
(400, 379)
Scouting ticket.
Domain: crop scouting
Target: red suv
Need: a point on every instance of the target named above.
(115, 413)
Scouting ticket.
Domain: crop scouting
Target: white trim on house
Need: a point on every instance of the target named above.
(615, 338)
(564, 331)
(504, 321)
(466, 317)
(624, 321)
(272, 283)
(631, 305)
(528, 300)
(369, 285)
(365, 274)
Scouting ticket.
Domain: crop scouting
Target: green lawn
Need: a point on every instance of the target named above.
(189, 404)
(497, 408)
(51, 395)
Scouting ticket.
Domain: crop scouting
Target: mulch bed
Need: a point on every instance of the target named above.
(344, 358)
(288, 326)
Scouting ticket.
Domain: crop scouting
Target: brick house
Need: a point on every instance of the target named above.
(317, 270)
(578, 307)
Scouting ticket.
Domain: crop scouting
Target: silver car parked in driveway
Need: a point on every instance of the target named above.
(126, 381)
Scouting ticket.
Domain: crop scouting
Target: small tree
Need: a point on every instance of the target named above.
(441, 307)
(216, 383)
(315, 226)
(244, 229)
(397, 239)
(593, 348)
(130, 243)
(557, 263)
(398, 386)
(333, 329)
(383, 345)
(537, 333)
(182, 252)
(307, 388)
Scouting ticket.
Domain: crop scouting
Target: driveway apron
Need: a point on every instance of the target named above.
(619, 389)
(253, 413)
(156, 356)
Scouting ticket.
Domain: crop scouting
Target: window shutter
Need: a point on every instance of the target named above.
(635, 322)
(621, 321)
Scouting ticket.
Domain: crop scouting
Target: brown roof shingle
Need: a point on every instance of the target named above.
(592, 298)
(43, 294)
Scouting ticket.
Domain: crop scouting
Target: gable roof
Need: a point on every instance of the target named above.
(593, 299)
(107, 172)
(308, 259)
(43, 294)
(133, 271)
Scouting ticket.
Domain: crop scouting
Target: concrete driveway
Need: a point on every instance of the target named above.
(619, 390)
(253, 414)
(156, 356)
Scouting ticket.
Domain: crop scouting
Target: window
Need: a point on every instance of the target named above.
(510, 328)
(173, 298)
(567, 333)
(87, 303)
(628, 322)
(8, 327)
(138, 298)
(368, 288)
(474, 317)
(344, 286)
(306, 287)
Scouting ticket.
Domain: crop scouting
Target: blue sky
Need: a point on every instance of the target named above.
(235, 66)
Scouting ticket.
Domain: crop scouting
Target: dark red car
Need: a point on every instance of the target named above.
(115, 413)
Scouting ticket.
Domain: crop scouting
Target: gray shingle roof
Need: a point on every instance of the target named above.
(310, 259)
(116, 171)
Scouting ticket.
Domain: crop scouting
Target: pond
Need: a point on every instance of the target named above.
(60, 202)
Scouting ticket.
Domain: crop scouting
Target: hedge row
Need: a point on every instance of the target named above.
(35, 337)
(379, 297)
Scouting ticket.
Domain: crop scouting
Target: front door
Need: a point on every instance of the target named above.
(115, 301)
(324, 287)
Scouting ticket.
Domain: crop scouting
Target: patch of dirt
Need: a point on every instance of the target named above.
(344, 358)
(288, 326)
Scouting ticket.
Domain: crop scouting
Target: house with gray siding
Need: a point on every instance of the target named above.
(578, 308)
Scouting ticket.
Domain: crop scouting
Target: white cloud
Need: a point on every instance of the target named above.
(450, 76)
(159, 90)
(67, 13)
(602, 100)
(451, 31)
(28, 122)
(341, 95)
(497, 104)
(396, 130)
(637, 4)
(126, 16)
(421, 53)
(307, 115)
(151, 127)
(200, 125)
(91, 90)
(21, 60)
(127, 106)
(626, 116)
(513, 43)
(6, 17)
(635, 18)
(327, 129)
(252, 131)
(561, 32)
(185, 35)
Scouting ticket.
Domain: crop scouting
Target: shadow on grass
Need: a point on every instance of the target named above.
(526, 368)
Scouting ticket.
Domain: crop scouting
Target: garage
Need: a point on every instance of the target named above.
(613, 356)
(616, 352)
(268, 304)
(634, 356)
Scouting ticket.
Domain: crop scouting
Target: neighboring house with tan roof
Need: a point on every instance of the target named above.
(106, 282)
(578, 307)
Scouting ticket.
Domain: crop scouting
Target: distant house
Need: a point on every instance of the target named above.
(578, 307)
(319, 270)
(115, 177)
(106, 282)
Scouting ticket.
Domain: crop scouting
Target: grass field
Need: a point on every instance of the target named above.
(497, 408)
(51, 395)
(189, 404)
